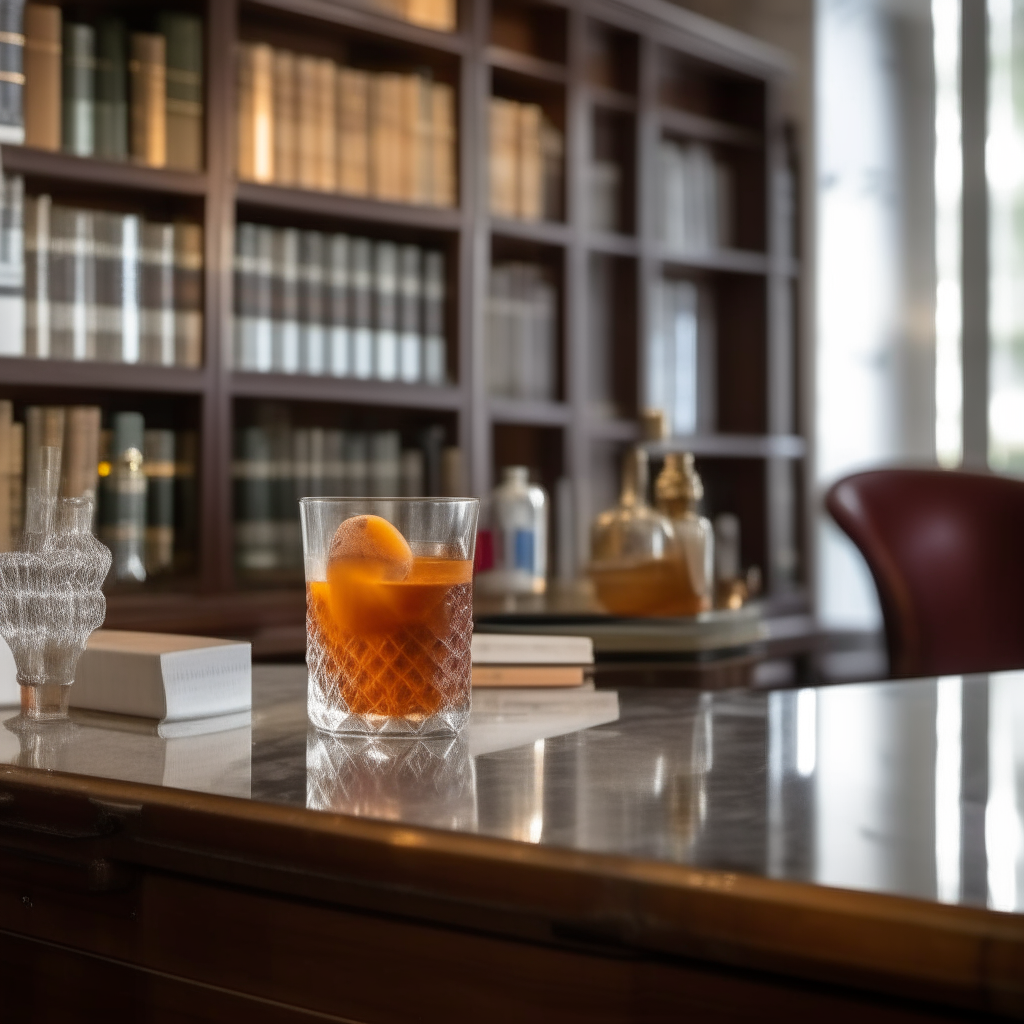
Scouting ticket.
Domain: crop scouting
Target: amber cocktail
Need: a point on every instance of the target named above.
(389, 613)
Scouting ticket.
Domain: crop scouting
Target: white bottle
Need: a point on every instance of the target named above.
(519, 528)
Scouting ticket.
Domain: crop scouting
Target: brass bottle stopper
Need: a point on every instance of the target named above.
(678, 489)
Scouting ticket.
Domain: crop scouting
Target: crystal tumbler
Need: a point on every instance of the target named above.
(389, 613)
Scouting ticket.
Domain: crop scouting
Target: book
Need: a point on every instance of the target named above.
(436, 14)
(159, 469)
(42, 87)
(435, 346)
(362, 308)
(443, 156)
(286, 114)
(12, 265)
(38, 336)
(17, 481)
(388, 168)
(255, 547)
(78, 75)
(12, 71)
(503, 161)
(411, 473)
(410, 279)
(72, 281)
(245, 301)
(385, 292)
(116, 311)
(285, 300)
(123, 499)
(311, 303)
(187, 300)
(44, 428)
(528, 675)
(110, 103)
(183, 115)
(540, 649)
(522, 331)
(186, 499)
(6, 471)
(695, 195)
(80, 454)
(384, 463)
(530, 177)
(165, 677)
(552, 146)
(339, 340)
(325, 120)
(148, 74)
(156, 277)
(307, 102)
(353, 149)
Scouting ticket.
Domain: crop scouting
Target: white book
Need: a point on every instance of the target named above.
(362, 308)
(385, 282)
(170, 678)
(435, 349)
(524, 649)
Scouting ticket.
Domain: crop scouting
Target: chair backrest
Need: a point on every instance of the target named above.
(946, 550)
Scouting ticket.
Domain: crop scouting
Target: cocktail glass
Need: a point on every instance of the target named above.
(389, 613)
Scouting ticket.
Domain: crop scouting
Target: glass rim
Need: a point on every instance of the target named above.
(405, 500)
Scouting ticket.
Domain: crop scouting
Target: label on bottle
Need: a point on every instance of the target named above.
(523, 550)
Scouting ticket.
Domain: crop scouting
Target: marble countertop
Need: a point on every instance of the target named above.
(911, 788)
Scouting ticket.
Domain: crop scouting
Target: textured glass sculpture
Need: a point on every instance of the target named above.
(50, 596)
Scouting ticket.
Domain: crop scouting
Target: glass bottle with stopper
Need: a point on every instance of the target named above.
(678, 494)
(636, 565)
(518, 537)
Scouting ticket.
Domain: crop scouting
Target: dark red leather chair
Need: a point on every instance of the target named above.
(946, 550)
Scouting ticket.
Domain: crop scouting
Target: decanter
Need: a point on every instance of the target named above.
(678, 493)
(636, 564)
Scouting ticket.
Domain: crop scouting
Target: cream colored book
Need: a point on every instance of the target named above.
(528, 675)
(443, 148)
(531, 649)
(286, 142)
(418, 135)
(148, 72)
(504, 135)
(387, 174)
(436, 14)
(307, 103)
(255, 112)
(165, 677)
(353, 150)
(326, 73)
(42, 69)
(530, 200)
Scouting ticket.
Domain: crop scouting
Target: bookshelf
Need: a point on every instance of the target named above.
(615, 80)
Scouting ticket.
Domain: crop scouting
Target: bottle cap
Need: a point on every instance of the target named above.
(679, 487)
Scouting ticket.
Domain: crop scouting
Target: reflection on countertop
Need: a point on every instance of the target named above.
(913, 788)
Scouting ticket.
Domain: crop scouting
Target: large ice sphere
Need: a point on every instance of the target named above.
(50, 592)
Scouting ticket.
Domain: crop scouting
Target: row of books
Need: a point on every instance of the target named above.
(526, 156)
(276, 464)
(100, 90)
(696, 199)
(97, 285)
(522, 331)
(307, 122)
(142, 481)
(439, 15)
(330, 304)
(678, 377)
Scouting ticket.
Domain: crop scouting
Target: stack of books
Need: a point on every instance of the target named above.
(96, 89)
(142, 481)
(696, 200)
(307, 122)
(526, 157)
(276, 464)
(89, 284)
(678, 375)
(509, 659)
(436, 14)
(522, 331)
(329, 304)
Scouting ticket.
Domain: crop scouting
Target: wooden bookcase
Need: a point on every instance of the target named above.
(615, 78)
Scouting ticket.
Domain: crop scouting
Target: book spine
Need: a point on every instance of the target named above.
(385, 287)
(326, 115)
(362, 308)
(61, 283)
(78, 78)
(530, 179)
(17, 481)
(443, 144)
(286, 281)
(261, 298)
(186, 498)
(6, 443)
(81, 452)
(148, 70)
(12, 77)
(387, 166)
(435, 346)
(317, 462)
(109, 285)
(503, 157)
(110, 128)
(412, 473)
(308, 122)
(256, 112)
(244, 328)
(255, 547)
(410, 367)
(552, 147)
(187, 301)
(311, 303)
(38, 335)
(334, 463)
(12, 265)
(184, 85)
(42, 30)
(245, 137)
(339, 343)
(286, 142)
(158, 466)
(385, 457)
(125, 529)
(357, 464)
(353, 108)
